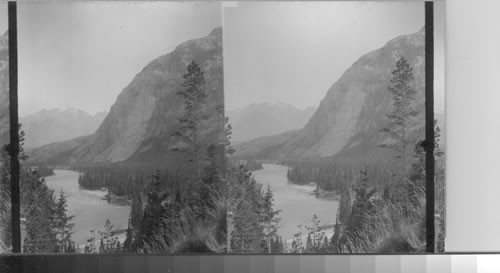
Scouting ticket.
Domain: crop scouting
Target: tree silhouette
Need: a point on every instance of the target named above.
(194, 97)
(63, 225)
(398, 127)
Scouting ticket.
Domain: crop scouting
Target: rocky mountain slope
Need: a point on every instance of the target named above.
(348, 120)
(265, 119)
(140, 124)
(53, 125)
(4, 89)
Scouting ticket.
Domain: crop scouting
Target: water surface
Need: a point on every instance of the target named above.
(87, 206)
(297, 203)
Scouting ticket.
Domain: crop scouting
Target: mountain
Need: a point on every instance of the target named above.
(265, 119)
(4, 89)
(48, 126)
(348, 121)
(140, 124)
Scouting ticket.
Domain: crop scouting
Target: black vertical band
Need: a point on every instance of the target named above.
(429, 125)
(14, 128)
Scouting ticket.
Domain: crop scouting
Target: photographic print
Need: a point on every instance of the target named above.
(307, 133)
(121, 112)
(325, 106)
(4, 130)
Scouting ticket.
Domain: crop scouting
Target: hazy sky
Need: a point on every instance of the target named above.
(3, 17)
(82, 55)
(292, 52)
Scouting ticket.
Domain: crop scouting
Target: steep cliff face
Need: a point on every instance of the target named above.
(145, 115)
(349, 119)
(4, 89)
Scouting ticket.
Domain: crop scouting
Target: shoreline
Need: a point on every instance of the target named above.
(298, 203)
(90, 207)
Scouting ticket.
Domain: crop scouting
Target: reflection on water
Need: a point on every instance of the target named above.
(296, 203)
(88, 207)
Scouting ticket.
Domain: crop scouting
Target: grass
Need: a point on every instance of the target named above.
(391, 229)
(188, 233)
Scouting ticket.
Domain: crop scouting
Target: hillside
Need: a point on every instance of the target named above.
(140, 124)
(348, 121)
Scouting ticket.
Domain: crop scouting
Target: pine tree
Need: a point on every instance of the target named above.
(247, 234)
(39, 211)
(194, 97)
(269, 218)
(6, 226)
(398, 128)
(63, 225)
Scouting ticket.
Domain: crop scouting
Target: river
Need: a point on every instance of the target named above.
(296, 202)
(87, 206)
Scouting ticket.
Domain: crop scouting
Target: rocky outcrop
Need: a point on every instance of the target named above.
(141, 122)
(349, 119)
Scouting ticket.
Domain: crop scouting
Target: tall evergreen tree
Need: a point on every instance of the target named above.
(37, 208)
(63, 225)
(5, 197)
(194, 97)
(269, 218)
(39, 211)
(398, 128)
(247, 235)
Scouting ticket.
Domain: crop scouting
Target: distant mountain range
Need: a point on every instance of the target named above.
(345, 126)
(266, 119)
(4, 89)
(140, 124)
(348, 121)
(53, 125)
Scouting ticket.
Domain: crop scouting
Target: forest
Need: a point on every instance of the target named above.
(44, 219)
(170, 211)
(382, 208)
(219, 208)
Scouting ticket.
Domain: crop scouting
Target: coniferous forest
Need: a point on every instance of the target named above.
(381, 206)
(160, 171)
(220, 208)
